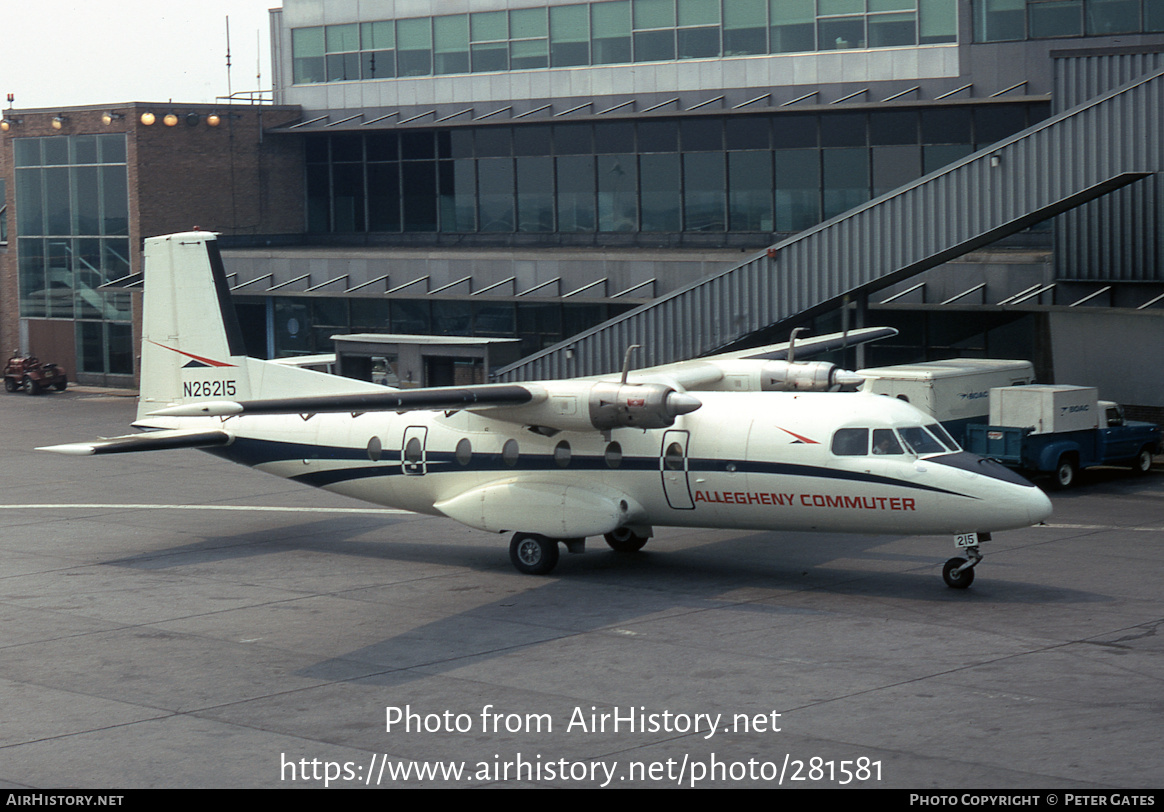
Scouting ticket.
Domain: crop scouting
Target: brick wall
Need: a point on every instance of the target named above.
(231, 179)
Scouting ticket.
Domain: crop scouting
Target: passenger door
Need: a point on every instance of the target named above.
(413, 454)
(673, 469)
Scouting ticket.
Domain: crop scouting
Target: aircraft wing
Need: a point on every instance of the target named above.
(700, 372)
(651, 398)
(390, 400)
(810, 345)
(145, 441)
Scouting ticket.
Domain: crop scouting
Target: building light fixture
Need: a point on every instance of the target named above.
(148, 118)
(170, 120)
(7, 123)
(216, 118)
(109, 117)
(996, 160)
(59, 121)
(192, 119)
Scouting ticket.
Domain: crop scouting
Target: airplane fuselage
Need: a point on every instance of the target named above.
(748, 439)
(744, 460)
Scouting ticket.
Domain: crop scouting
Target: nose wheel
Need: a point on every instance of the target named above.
(958, 573)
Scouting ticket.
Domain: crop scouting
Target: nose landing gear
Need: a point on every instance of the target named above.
(958, 573)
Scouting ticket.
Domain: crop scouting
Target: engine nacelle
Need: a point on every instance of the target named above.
(601, 405)
(640, 406)
(808, 376)
(754, 375)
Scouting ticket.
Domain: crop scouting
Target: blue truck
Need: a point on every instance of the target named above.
(1060, 430)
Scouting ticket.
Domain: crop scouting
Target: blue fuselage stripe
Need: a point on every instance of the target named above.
(254, 452)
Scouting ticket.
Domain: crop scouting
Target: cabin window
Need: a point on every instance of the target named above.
(885, 442)
(613, 455)
(509, 453)
(464, 452)
(562, 454)
(413, 451)
(939, 431)
(920, 441)
(673, 457)
(374, 449)
(851, 442)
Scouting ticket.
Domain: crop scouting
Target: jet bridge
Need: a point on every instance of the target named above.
(1106, 143)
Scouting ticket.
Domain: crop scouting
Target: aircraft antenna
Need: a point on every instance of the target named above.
(626, 360)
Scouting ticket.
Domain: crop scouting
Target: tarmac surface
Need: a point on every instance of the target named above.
(169, 619)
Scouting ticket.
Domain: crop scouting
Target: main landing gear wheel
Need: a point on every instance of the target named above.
(625, 540)
(533, 554)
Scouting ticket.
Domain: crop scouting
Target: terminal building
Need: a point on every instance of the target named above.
(533, 170)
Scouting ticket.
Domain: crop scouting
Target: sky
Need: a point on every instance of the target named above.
(57, 53)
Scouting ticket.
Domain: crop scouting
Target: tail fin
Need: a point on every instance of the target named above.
(192, 346)
(191, 339)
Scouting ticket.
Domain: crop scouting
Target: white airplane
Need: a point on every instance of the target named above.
(750, 440)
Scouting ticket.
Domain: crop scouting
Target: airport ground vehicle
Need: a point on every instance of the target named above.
(28, 373)
(955, 391)
(1061, 430)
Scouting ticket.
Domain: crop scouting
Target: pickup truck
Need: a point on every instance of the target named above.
(1061, 430)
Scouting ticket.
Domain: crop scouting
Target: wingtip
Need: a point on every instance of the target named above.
(71, 449)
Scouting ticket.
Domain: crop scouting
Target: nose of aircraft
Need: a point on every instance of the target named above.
(1010, 500)
(1038, 506)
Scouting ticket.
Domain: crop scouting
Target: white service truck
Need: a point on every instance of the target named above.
(956, 392)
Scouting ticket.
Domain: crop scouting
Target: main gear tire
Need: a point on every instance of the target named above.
(533, 554)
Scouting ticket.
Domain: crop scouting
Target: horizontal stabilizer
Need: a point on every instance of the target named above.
(146, 441)
(391, 400)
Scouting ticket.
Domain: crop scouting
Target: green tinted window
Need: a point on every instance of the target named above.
(529, 22)
(654, 13)
(490, 25)
(306, 42)
(343, 38)
(698, 12)
(378, 35)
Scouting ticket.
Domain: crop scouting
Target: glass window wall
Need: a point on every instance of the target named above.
(72, 218)
(627, 31)
(759, 172)
(1002, 20)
